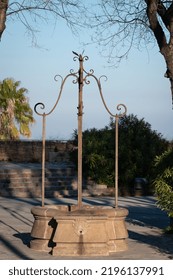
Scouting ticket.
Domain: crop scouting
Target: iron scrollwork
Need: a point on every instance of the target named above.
(81, 76)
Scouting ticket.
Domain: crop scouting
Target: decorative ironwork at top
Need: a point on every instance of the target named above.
(81, 80)
(81, 77)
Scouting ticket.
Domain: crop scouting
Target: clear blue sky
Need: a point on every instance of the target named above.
(138, 82)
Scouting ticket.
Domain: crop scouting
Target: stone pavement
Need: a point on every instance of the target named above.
(145, 224)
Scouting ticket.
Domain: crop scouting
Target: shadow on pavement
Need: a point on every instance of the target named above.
(142, 213)
(25, 237)
(164, 242)
(13, 249)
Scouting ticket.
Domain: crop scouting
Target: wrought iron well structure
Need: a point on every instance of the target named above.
(82, 221)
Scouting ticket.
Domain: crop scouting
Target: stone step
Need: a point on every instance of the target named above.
(35, 180)
(36, 192)
(26, 179)
(34, 173)
(32, 184)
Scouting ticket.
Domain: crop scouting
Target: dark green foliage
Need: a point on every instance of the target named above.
(138, 146)
(98, 155)
(164, 181)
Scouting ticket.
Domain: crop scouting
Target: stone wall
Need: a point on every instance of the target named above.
(31, 151)
(20, 171)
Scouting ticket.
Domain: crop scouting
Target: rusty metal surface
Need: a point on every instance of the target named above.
(81, 77)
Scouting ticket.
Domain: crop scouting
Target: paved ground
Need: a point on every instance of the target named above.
(145, 224)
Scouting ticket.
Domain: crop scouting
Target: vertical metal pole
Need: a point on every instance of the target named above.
(80, 113)
(116, 161)
(43, 159)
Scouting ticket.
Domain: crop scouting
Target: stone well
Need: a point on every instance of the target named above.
(70, 230)
(66, 230)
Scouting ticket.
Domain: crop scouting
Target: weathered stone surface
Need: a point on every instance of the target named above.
(25, 179)
(42, 245)
(82, 239)
(88, 231)
(30, 151)
(102, 228)
(44, 226)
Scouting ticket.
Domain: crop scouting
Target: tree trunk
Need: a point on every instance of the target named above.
(167, 52)
(3, 10)
(169, 74)
(154, 11)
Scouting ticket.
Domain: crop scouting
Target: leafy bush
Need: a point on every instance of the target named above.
(164, 181)
(138, 146)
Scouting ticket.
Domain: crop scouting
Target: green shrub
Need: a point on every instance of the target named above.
(164, 181)
(138, 146)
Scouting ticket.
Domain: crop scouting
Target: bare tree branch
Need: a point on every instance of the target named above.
(30, 12)
(122, 24)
